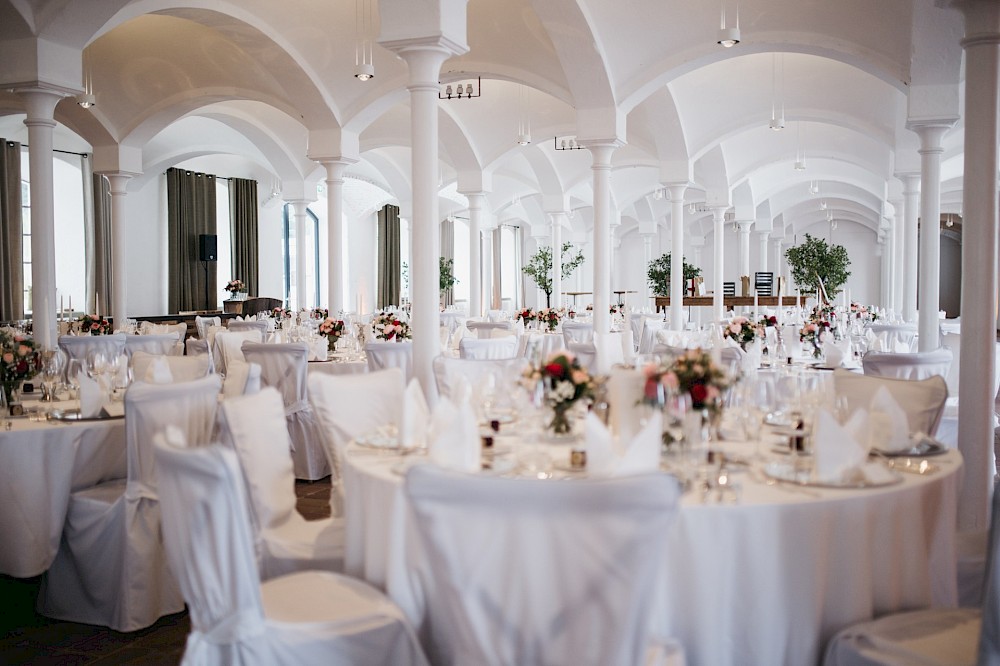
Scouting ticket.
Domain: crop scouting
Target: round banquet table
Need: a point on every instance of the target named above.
(339, 365)
(766, 581)
(41, 464)
(544, 343)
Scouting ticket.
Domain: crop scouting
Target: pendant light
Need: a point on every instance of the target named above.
(800, 155)
(777, 93)
(87, 99)
(523, 123)
(364, 65)
(729, 37)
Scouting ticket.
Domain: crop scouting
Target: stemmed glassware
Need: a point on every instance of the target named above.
(73, 370)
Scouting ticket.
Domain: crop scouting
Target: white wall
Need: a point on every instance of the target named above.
(362, 263)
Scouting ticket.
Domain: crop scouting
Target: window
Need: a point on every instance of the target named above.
(310, 246)
(510, 266)
(461, 267)
(224, 236)
(26, 232)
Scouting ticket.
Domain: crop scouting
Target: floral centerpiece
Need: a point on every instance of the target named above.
(617, 308)
(333, 329)
(766, 322)
(565, 382)
(812, 332)
(548, 317)
(389, 326)
(863, 312)
(742, 330)
(695, 372)
(280, 313)
(235, 286)
(19, 361)
(527, 315)
(319, 313)
(93, 325)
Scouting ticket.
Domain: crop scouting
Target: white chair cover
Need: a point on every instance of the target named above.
(495, 315)
(610, 350)
(494, 348)
(162, 344)
(201, 324)
(519, 571)
(196, 347)
(382, 355)
(586, 354)
(110, 569)
(731, 356)
(228, 345)
(574, 331)
(285, 367)
(912, 365)
(286, 542)
(182, 368)
(348, 406)
(648, 338)
(637, 323)
(78, 346)
(152, 328)
(242, 379)
(447, 370)
(904, 333)
(953, 343)
(945, 636)
(923, 400)
(250, 325)
(310, 617)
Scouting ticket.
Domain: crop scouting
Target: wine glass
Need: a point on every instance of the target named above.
(73, 370)
(97, 365)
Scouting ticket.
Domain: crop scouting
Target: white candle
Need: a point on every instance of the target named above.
(756, 309)
(781, 305)
(61, 311)
(71, 305)
(97, 305)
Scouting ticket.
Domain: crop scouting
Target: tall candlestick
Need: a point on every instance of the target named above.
(62, 312)
(71, 306)
(756, 308)
(97, 305)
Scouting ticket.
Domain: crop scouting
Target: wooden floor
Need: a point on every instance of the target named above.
(29, 638)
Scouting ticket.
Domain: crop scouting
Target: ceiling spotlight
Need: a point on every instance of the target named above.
(729, 37)
(523, 139)
(813, 187)
(777, 119)
(364, 71)
(800, 165)
(364, 63)
(523, 122)
(86, 100)
(822, 204)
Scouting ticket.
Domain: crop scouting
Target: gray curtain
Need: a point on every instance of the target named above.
(243, 222)
(101, 287)
(497, 301)
(388, 256)
(11, 277)
(448, 252)
(190, 213)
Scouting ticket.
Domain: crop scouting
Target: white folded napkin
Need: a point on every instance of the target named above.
(453, 438)
(751, 360)
(519, 327)
(839, 449)
(833, 353)
(642, 454)
(635, 455)
(318, 349)
(158, 372)
(889, 427)
(92, 397)
(414, 421)
(599, 444)
(899, 347)
(121, 372)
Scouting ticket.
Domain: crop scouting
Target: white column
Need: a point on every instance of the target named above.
(911, 192)
(718, 224)
(40, 106)
(424, 61)
(601, 167)
(930, 233)
(889, 257)
(676, 255)
(647, 256)
(557, 296)
(762, 251)
(119, 269)
(476, 200)
(299, 207)
(336, 256)
(883, 255)
(697, 256)
(744, 227)
(979, 261)
(487, 271)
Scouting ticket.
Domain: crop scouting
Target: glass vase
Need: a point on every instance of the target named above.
(562, 420)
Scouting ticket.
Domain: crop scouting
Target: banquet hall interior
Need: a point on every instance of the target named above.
(191, 164)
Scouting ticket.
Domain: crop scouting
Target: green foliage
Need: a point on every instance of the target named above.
(813, 260)
(659, 274)
(539, 267)
(446, 279)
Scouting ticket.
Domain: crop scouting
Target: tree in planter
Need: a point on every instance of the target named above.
(539, 267)
(658, 274)
(815, 260)
(446, 276)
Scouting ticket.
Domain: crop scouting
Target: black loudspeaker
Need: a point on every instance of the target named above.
(208, 247)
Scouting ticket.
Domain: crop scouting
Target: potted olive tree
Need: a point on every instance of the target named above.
(539, 267)
(814, 261)
(658, 274)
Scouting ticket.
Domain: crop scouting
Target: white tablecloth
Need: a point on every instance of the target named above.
(338, 366)
(40, 465)
(545, 343)
(767, 581)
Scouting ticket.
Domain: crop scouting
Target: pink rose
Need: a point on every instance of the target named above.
(8, 357)
(669, 380)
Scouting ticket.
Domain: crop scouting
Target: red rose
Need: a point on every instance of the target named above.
(554, 369)
(652, 388)
(22, 367)
(698, 393)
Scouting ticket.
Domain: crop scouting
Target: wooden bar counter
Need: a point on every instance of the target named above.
(662, 302)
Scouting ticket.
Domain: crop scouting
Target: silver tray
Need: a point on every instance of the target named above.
(74, 416)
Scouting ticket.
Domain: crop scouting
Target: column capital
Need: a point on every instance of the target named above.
(910, 180)
(931, 132)
(424, 57)
(335, 166)
(744, 226)
(676, 191)
(601, 151)
(476, 199)
(40, 102)
(764, 234)
(118, 180)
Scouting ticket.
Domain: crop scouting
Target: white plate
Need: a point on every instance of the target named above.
(923, 448)
(378, 440)
(875, 475)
